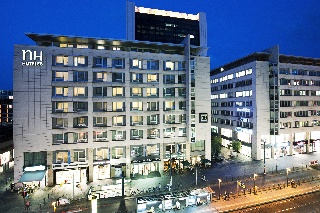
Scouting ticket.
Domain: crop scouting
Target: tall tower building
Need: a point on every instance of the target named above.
(146, 24)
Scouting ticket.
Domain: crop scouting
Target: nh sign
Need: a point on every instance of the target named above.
(31, 58)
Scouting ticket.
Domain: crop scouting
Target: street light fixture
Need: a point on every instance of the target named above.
(288, 170)
(219, 186)
(254, 183)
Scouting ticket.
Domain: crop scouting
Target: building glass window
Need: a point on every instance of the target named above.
(80, 61)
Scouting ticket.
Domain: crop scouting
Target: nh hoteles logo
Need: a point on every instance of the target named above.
(31, 58)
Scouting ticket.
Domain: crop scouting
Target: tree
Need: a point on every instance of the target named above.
(236, 145)
(216, 144)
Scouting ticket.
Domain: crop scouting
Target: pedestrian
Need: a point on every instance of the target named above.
(27, 205)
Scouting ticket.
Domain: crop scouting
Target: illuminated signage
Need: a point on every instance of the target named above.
(203, 117)
(243, 110)
(31, 58)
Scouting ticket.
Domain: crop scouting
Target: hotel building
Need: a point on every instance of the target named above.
(93, 108)
(268, 101)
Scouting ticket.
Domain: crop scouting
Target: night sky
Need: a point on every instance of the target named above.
(236, 28)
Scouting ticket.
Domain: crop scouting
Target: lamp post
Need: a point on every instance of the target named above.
(287, 176)
(264, 156)
(219, 186)
(254, 183)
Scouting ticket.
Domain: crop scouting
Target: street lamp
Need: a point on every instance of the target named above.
(264, 156)
(287, 176)
(219, 186)
(254, 183)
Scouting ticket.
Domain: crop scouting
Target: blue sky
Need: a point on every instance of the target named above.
(236, 28)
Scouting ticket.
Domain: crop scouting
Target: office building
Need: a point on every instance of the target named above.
(147, 24)
(88, 109)
(6, 97)
(268, 101)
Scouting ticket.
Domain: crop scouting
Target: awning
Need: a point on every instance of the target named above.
(30, 176)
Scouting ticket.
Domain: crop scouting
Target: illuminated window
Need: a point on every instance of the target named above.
(136, 106)
(60, 60)
(152, 92)
(136, 91)
(60, 91)
(79, 91)
(136, 64)
(60, 76)
(80, 61)
(117, 91)
(153, 78)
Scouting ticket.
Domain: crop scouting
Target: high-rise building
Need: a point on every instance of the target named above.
(268, 101)
(146, 24)
(88, 109)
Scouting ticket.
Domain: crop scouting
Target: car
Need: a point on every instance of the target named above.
(63, 201)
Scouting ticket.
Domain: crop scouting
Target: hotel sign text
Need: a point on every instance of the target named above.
(31, 58)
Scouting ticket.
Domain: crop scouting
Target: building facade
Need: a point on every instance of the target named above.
(269, 102)
(91, 108)
(147, 24)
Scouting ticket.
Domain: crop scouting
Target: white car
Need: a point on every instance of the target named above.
(63, 201)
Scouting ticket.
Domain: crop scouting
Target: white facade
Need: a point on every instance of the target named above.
(99, 107)
(268, 98)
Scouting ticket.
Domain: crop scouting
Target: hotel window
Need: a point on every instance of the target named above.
(82, 46)
(80, 61)
(80, 122)
(181, 66)
(153, 78)
(99, 76)
(168, 65)
(181, 79)
(60, 91)
(182, 119)
(168, 105)
(79, 155)
(136, 120)
(136, 134)
(59, 123)
(66, 45)
(117, 48)
(136, 78)
(197, 146)
(60, 75)
(118, 120)
(100, 136)
(135, 64)
(153, 119)
(136, 106)
(117, 153)
(152, 106)
(182, 105)
(100, 121)
(152, 65)
(118, 106)
(118, 77)
(153, 133)
(60, 106)
(60, 60)
(182, 92)
(118, 63)
(81, 137)
(80, 92)
(80, 106)
(118, 135)
(100, 106)
(152, 92)
(80, 76)
(169, 92)
(168, 79)
(99, 91)
(182, 132)
(136, 92)
(169, 119)
(117, 91)
(59, 139)
(100, 62)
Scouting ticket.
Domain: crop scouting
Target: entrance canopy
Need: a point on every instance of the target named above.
(30, 176)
